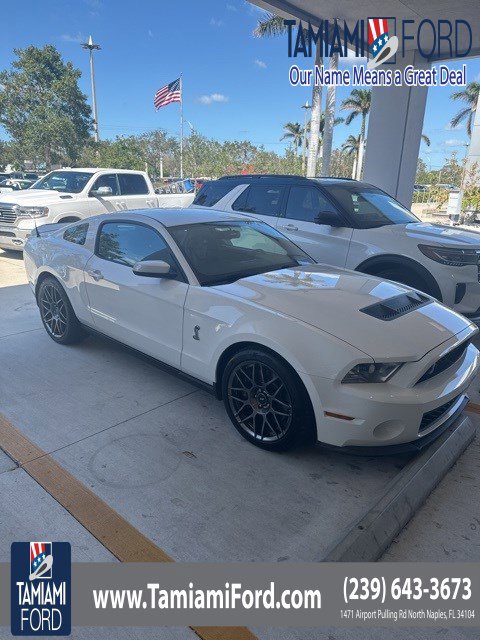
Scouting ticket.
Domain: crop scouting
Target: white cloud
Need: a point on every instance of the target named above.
(213, 97)
(454, 142)
(261, 64)
(150, 33)
(216, 23)
(352, 59)
(79, 38)
(231, 7)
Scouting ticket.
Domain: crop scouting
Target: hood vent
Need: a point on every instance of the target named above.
(397, 306)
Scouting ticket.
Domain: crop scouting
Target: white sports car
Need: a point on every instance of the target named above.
(295, 349)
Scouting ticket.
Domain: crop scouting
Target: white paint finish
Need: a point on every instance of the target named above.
(81, 205)
(394, 132)
(310, 315)
(145, 313)
(352, 247)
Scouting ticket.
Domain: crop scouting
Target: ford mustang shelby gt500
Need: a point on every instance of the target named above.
(294, 348)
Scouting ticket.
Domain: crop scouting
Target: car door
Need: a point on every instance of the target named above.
(263, 200)
(135, 191)
(106, 203)
(143, 312)
(314, 223)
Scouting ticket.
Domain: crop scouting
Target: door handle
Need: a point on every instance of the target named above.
(289, 227)
(95, 274)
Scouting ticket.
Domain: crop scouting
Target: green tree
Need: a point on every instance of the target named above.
(122, 153)
(293, 131)
(359, 103)
(42, 108)
(469, 95)
(351, 147)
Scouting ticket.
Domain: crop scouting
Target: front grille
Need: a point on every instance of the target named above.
(432, 416)
(446, 361)
(397, 306)
(7, 213)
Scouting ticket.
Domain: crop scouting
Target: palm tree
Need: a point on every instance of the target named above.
(293, 132)
(470, 96)
(271, 25)
(358, 103)
(327, 137)
(352, 146)
(426, 139)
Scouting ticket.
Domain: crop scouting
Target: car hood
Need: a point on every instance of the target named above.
(38, 197)
(437, 234)
(331, 300)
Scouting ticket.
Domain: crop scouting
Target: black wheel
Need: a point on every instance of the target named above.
(406, 277)
(266, 401)
(57, 314)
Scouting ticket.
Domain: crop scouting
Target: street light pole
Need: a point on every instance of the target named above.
(91, 48)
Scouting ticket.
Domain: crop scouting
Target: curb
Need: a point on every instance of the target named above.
(372, 534)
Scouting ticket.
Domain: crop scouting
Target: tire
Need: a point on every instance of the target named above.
(266, 401)
(406, 277)
(57, 314)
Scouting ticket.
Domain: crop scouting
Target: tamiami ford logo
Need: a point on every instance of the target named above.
(40, 587)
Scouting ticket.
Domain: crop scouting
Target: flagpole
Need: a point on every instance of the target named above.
(181, 126)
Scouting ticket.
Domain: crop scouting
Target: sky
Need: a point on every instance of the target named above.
(235, 86)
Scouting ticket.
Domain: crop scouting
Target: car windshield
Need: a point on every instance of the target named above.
(368, 206)
(223, 252)
(65, 181)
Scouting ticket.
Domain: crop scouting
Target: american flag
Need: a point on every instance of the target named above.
(169, 93)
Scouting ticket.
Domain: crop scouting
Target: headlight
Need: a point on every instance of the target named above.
(450, 256)
(370, 372)
(31, 212)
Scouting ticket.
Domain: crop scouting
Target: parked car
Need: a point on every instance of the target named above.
(68, 195)
(295, 349)
(447, 186)
(10, 184)
(352, 224)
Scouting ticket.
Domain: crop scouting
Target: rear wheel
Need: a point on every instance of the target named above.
(57, 313)
(266, 401)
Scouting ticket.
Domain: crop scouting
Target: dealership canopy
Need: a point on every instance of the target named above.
(397, 113)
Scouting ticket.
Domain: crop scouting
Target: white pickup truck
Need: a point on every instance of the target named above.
(68, 195)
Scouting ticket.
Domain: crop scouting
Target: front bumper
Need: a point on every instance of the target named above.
(14, 237)
(388, 414)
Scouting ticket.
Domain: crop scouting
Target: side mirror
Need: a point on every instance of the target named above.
(329, 218)
(153, 269)
(101, 192)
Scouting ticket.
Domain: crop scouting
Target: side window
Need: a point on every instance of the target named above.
(108, 180)
(132, 184)
(76, 234)
(128, 243)
(212, 192)
(262, 199)
(305, 203)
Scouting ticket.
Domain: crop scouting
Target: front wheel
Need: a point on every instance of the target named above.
(57, 313)
(266, 401)
(406, 277)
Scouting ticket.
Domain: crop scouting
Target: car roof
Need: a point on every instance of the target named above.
(177, 217)
(274, 177)
(97, 169)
